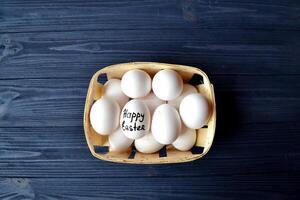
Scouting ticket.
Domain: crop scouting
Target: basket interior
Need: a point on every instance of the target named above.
(98, 144)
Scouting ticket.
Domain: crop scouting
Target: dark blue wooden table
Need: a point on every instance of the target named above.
(49, 50)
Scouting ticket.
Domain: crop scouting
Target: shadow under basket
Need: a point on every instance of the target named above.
(98, 143)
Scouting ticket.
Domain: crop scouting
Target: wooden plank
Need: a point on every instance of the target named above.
(69, 15)
(60, 102)
(62, 152)
(283, 186)
(82, 53)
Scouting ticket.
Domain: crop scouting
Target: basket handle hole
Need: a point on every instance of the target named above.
(101, 149)
(163, 152)
(132, 153)
(102, 78)
(205, 126)
(196, 80)
(197, 150)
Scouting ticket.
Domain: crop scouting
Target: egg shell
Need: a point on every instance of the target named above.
(186, 139)
(152, 101)
(147, 144)
(118, 141)
(104, 115)
(167, 84)
(187, 89)
(194, 110)
(136, 83)
(112, 89)
(166, 124)
(135, 119)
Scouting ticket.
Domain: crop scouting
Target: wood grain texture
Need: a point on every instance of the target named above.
(50, 49)
(217, 187)
(52, 54)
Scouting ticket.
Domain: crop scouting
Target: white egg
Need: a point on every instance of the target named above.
(112, 89)
(194, 110)
(136, 83)
(147, 144)
(118, 141)
(152, 101)
(104, 115)
(166, 124)
(187, 89)
(135, 119)
(167, 84)
(186, 140)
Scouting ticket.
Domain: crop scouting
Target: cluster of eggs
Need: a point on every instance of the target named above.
(169, 114)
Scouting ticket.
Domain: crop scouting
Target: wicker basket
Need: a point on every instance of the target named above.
(205, 135)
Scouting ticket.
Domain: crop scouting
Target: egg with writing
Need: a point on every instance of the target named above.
(152, 101)
(118, 141)
(187, 89)
(147, 144)
(136, 83)
(194, 110)
(112, 89)
(167, 84)
(135, 119)
(104, 115)
(166, 124)
(186, 139)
